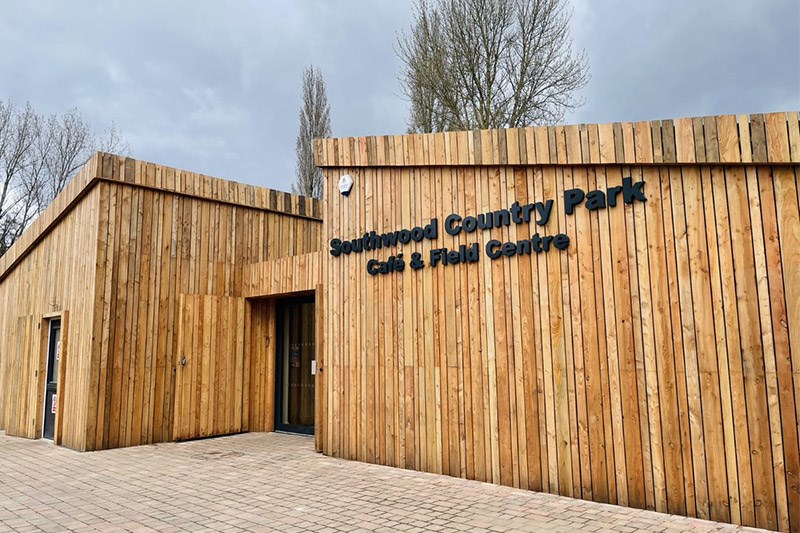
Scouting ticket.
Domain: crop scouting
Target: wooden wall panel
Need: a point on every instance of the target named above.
(56, 277)
(117, 249)
(652, 364)
(106, 167)
(158, 246)
(210, 369)
(262, 341)
(291, 274)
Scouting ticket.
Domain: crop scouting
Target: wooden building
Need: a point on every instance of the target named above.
(145, 266)
(608, 312)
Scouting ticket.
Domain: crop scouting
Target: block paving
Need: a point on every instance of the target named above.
(276, 482)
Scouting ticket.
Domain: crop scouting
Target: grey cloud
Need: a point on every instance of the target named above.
(652, 60)
(214, 86)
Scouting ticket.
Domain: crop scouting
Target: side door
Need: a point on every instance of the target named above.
(210, 365)
(51, 379)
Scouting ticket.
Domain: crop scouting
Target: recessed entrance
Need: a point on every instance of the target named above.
(51, 381)
(295, 368)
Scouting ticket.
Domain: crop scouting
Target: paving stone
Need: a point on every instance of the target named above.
(276, 482)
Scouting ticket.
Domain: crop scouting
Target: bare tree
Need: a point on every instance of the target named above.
(20, 185)
(111, 141)
(474, 64)
(38, 157)
(315, 122)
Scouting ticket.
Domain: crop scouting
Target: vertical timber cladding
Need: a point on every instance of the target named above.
(118, 252)
(54, 278)
(175, 356)
(652, 363)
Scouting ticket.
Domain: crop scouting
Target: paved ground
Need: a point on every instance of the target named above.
(274, 482)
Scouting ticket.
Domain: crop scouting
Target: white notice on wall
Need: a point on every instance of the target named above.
(53, 406)
(58, 350)
(313, 368)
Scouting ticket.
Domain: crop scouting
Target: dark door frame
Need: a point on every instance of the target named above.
(48, 370)
(280, 317)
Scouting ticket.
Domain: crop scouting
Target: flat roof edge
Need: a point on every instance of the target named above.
(725, 139)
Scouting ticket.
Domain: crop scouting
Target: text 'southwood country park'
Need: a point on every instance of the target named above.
(455, 224)
(606, 311)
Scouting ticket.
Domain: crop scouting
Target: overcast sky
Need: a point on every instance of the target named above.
(214, 87)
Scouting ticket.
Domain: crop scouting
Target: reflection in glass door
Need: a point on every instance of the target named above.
(296, 366)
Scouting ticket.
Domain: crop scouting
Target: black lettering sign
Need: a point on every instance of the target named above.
(454, 224)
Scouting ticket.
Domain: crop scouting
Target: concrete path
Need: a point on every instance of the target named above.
(275, 482)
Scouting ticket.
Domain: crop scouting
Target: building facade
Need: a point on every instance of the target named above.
(124, 256)
(608, 312)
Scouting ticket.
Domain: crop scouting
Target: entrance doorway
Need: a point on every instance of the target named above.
(296, 366)
(51, 380)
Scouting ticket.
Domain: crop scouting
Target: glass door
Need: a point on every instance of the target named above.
(51, 382)
(296, 366)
